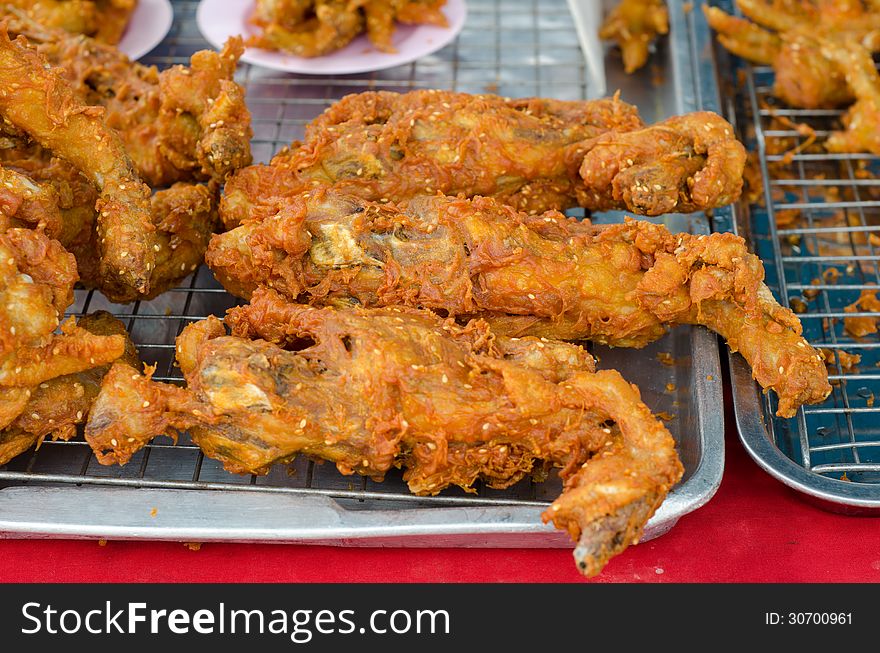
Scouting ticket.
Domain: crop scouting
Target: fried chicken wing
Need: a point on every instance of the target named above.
(34, 99)
(529, 153)
(55, 407)
(546, 275)
(181, 124)
(635, 24)
(398, 387)
(806, 77)
(104, 20)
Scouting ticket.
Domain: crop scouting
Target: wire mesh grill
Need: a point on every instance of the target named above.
(516, 48)
(817, 227)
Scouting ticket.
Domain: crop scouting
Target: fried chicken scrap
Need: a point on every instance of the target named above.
(311, 28)
(398, 387)
(635, 24)
(36, 100)
(181, 124)
(545, 275)
(864, 325)
(103, 20)
(533, 154)
(55, 407)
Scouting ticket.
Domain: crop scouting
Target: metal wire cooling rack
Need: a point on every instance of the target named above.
(514, 47)
(816, 225)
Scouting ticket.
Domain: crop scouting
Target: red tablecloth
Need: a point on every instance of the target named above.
(755, 529)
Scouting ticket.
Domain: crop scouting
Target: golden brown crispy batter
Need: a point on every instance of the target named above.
(36, 100)
(311, 28)
(863, 325)
(55, 407)
(635, 24)
(36, 287)
(104, 20)
(527, 153)
(184, 217)
(862, 120)
(806, 77)
(403, 388)
(181, 124)
(27, 203)
(544, 275)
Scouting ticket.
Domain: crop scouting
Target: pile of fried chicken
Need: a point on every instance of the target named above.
(410, 278)
(312, 28)
(814, 69)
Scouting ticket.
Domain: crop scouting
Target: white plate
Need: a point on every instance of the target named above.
(149, 24)
(220, 19)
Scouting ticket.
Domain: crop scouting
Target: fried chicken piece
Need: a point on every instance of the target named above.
(36, 287)
(55, 407)
(398, 387)
(181, 124)
(533, 154)
(546, 275)
(104, 20)
(36, 100)
(184, 218)
(313, 28)
(635, 24)
(26, 203)
(806, 77)
(862, 120)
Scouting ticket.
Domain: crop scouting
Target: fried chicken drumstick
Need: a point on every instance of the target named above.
(635, 24)
(399, 387)
(533, 154)
(545, 275)
(180, 124)
(37, 101)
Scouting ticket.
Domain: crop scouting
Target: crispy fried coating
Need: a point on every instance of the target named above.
(36, 100)
(635, 24)
(862, 120)
(311, 28)
(529, 153)
(36, 286)
(186, 123)
(25, 202)
(545, 275)
(104, 20)
(184, 218)
(806, 77)
(55, 407)
(398, 387)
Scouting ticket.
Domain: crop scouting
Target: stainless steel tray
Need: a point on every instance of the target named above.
(829, 452)
(515, 48)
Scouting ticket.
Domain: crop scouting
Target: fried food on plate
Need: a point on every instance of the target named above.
(104, 20)
(36, 286)
(37, 101)
(544, 275)
(181, 124)
(805, 76)
(311, 28)
(635, 24)
(398, 387)
(55, 407)
(533, 154)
